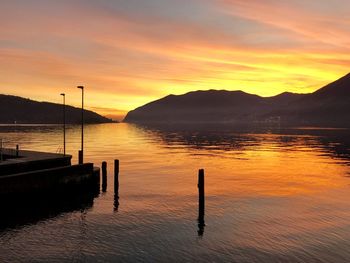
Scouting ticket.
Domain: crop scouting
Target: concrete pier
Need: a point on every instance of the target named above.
(27, 161)
(38, 171)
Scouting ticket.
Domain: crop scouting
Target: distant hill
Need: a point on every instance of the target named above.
(329, 106)
(20, 110)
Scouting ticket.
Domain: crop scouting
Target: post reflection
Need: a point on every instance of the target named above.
(116, 202)
(201, 223)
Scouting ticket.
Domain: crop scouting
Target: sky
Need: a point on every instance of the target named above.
(129, 52)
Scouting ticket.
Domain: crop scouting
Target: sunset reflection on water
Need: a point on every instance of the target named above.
(271, 195)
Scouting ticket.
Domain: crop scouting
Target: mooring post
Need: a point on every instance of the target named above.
(201, 202)
(17, 150)
(104, 176)
(116, 185)
(80, 157)
(0, 150)
(201, 190)
(116, 176)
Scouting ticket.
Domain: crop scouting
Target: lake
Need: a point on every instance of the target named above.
(272, 195)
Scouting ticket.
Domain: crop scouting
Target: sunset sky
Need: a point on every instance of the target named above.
(129, 52)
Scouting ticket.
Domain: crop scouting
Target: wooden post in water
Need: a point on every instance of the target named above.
(201, 202)
(0, 150)
(104, 176)
(116, 176)
(116, 185)
(201, 191)
(80, 157)
(82, 125)
(17, 150)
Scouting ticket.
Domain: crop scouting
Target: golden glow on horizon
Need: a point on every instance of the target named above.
(127, 58)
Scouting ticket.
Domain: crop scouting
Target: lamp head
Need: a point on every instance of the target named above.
(62, 94)
(80, 87)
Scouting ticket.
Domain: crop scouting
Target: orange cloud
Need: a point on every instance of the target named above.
(328, 26)
(128, 53)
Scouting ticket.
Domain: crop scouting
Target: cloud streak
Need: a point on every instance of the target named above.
(130, 52)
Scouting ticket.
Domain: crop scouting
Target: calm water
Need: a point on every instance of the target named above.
(271, 196)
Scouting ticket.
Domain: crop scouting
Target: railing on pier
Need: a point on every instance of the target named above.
(9, 149)
(6, 151)
(59, 150)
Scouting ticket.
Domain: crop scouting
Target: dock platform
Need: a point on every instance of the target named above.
(31, 171)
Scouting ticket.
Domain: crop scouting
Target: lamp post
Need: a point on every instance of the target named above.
(81, 153)
(64, 123)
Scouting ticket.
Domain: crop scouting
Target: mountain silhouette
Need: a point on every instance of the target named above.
(20, 110)
(328, 106)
